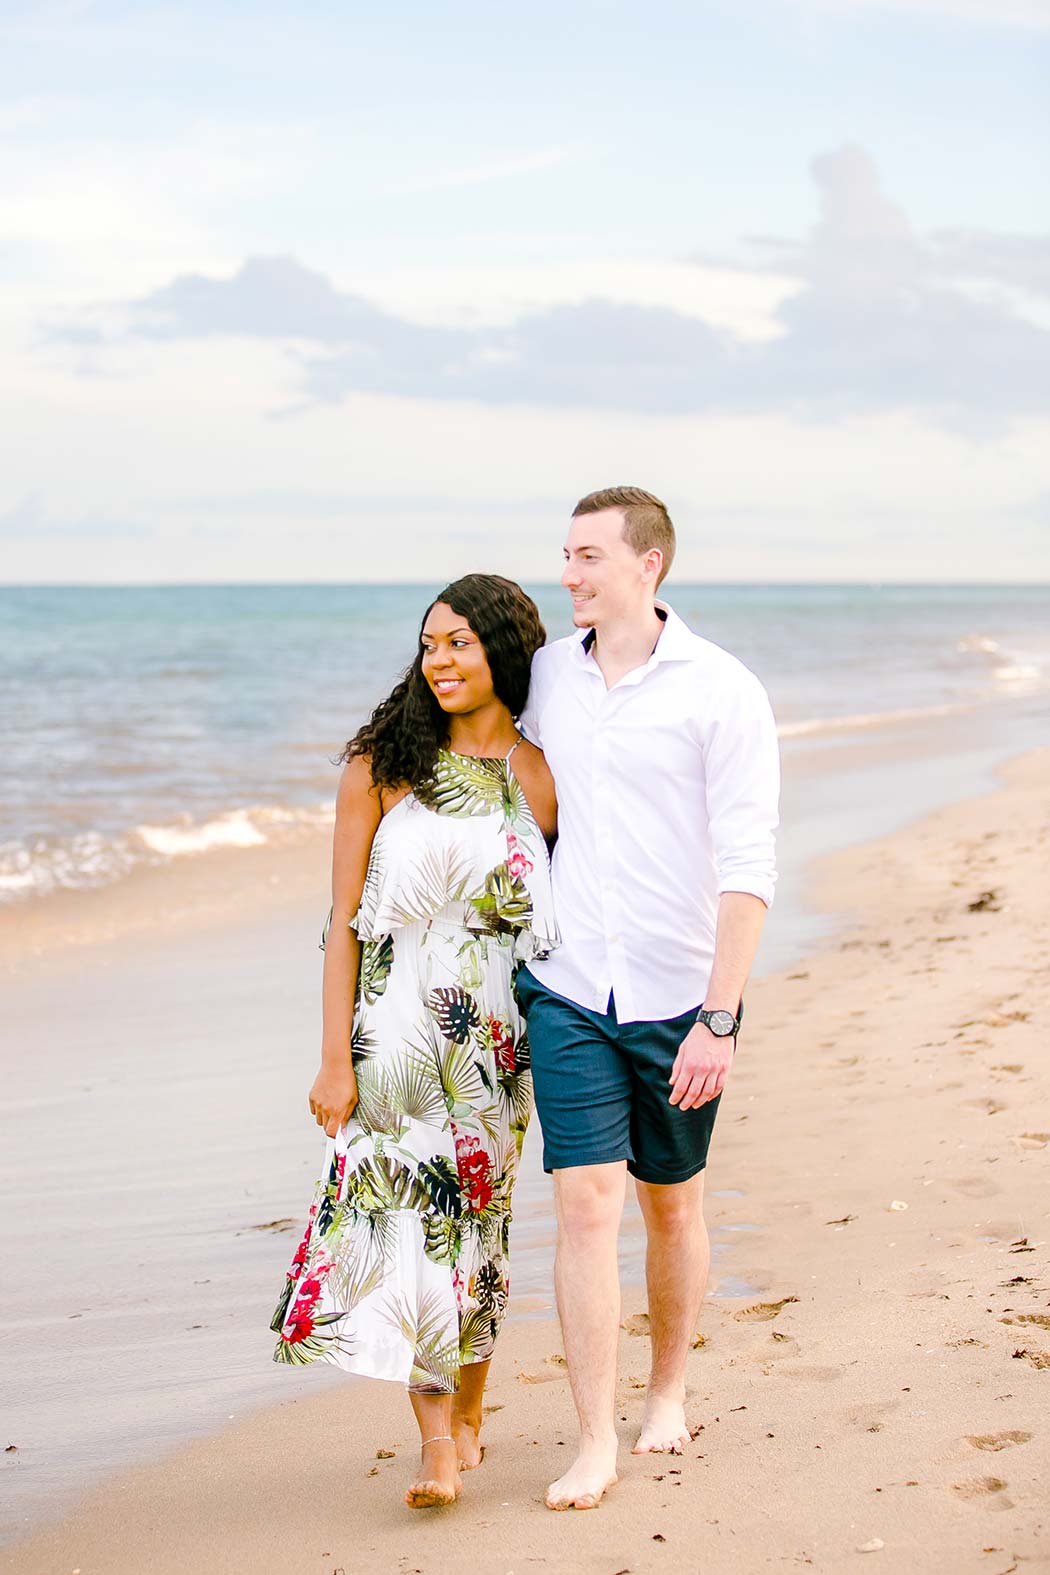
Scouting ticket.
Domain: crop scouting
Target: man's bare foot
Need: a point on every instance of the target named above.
(468, 1445)
(665, 1430)
(438, 1481)
(585, 1482)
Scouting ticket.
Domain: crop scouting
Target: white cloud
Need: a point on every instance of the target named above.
(162, 471)
(743, 303)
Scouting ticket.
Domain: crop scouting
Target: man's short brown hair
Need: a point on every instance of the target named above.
(646, 522)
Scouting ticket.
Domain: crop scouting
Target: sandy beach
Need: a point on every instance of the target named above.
(871, 1384)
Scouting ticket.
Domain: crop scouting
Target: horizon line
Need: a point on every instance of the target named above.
(376, 584)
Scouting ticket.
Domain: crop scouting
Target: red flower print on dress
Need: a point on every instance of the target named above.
(502, 1044)
(518, 863)
(302, 1251)
(300, 1324)
(311, 1287)
(474, 1168)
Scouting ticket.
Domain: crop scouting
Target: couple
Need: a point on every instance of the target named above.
(651, 755)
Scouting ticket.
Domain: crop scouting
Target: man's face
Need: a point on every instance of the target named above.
(605, 577)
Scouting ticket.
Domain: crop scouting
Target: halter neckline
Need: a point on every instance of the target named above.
(504, 759)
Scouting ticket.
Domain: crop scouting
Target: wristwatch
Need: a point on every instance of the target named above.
(722, 1024)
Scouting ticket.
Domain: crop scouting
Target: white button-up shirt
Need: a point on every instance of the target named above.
(667, 796)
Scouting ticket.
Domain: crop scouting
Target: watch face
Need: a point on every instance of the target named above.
(722, 1023)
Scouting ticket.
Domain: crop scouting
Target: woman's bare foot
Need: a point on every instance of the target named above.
(665, 1430)
(584, 1484)
(468, 1444)
(438, 1482)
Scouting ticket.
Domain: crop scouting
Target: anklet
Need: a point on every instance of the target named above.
(439, 1438)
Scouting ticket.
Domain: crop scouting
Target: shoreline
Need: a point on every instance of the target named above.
(831, 1371)
(839, 790)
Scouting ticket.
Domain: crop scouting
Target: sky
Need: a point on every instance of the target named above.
(338, 292)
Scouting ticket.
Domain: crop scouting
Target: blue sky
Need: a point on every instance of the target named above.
(272, 276)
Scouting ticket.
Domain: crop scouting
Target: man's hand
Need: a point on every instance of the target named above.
(700, 1067)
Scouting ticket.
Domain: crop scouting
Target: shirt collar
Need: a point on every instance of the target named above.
(675, 643)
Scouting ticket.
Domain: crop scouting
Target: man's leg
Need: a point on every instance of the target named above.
(676, 1263)
(589, 1201)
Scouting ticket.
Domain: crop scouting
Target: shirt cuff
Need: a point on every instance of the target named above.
(760, 886)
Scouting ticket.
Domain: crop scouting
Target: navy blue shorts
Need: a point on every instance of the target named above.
(602, 1089)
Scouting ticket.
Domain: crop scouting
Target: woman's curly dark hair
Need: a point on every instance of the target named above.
(406, 730)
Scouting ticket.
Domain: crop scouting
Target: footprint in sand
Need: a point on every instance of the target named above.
(997, 1441)
(1032, 1139)
(989, 1491)
(974, 1186)
(991, 1107)
(1041, 1320)
(816, 1375)
(869, 1418)
(1040, 1359)
(637, 1323)
(552, 1370)
(762, 1312)
(783, 1346)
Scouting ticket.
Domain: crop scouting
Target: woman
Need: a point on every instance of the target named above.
(440, 888)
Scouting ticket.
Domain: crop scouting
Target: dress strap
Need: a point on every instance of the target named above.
(510, 751)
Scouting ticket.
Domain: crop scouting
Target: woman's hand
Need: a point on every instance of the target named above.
(333, 1096)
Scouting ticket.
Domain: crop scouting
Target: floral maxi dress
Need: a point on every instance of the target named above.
(403, 1270)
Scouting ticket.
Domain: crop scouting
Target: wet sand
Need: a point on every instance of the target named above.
(878, 1392)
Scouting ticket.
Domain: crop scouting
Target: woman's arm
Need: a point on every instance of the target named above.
(358, 811)
(533, 772)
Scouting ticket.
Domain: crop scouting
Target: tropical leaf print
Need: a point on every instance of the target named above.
(464, 787)
(415, 1091)
(516, 1089)
(460, 1081)
(377, 958)
(473, 959)
(477, 1336)
(443, 875)
(362, 1044)
(298, 1352)
(505, 904)
(381, 1182)
(281, 1310)
(441, 1238)
(441, 1180)
(328, 1198)
(515, 804)
(456, 1013)
(490, 1288)
(376, 1109)
(357, 1273)
(425, 1327)
(375, 876)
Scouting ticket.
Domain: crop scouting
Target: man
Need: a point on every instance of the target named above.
(664, 755)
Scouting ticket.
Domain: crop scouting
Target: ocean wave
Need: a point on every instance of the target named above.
(91, 859)
(1013, 669)
(862, 719)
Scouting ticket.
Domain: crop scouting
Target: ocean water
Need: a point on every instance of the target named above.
(144, 725)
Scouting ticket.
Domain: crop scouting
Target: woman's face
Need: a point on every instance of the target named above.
(454, 661)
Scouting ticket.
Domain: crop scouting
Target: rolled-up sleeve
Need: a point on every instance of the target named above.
(742, 776)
